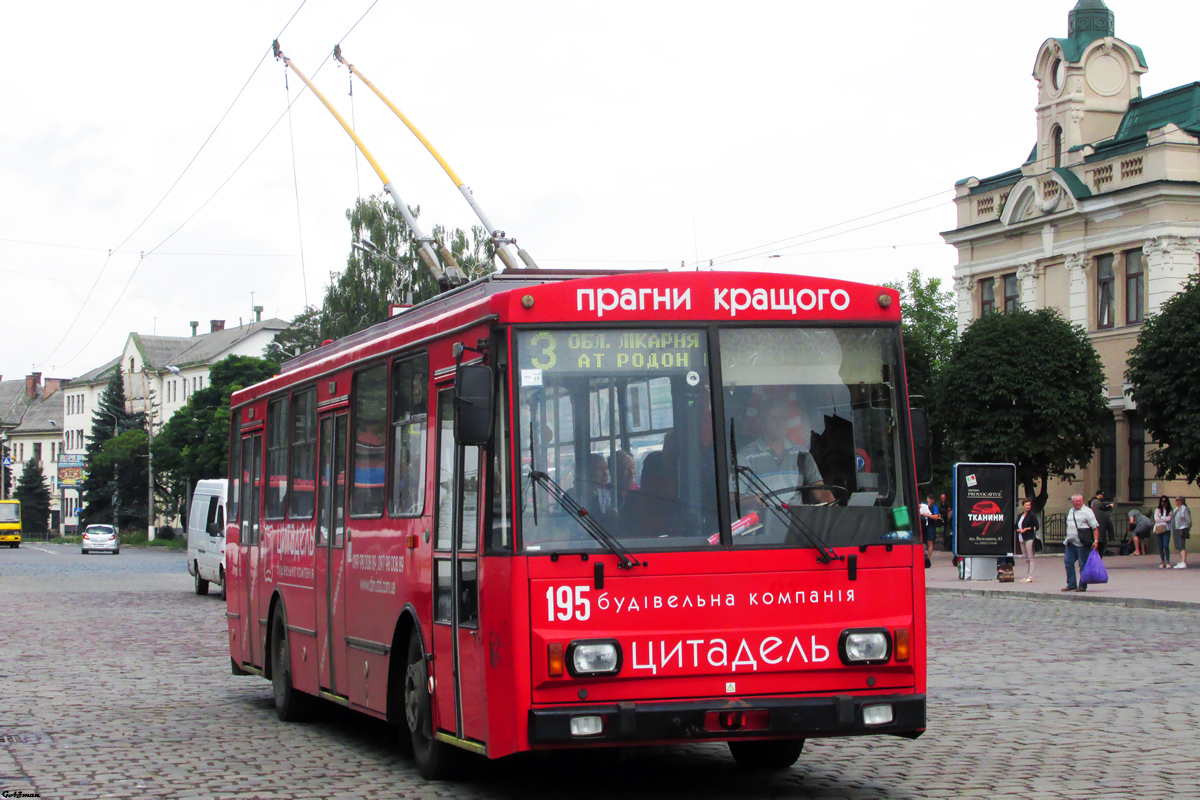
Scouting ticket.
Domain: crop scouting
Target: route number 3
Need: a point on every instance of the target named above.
(567, 603)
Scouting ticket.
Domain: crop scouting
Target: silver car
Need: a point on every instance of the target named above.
(101, 538)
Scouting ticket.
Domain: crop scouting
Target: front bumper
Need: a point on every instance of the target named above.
(793, 717)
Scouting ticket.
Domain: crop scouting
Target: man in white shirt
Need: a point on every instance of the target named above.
(1082, 538)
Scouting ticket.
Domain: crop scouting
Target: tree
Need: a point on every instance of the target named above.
(120, 473)
(382, 269)
(930, 331)
(1164, 367)
(194, 443)
(928, 314)
(1025, 387)
(34, 495)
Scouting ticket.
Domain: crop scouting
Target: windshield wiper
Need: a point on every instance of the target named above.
(580, 514)
(777, 506)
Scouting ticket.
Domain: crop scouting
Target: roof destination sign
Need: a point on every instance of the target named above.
(609, 352)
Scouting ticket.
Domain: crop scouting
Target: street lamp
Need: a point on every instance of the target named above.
(116, 498)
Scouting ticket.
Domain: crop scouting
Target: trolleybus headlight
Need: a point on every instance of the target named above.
(588, 657)
(865, 646)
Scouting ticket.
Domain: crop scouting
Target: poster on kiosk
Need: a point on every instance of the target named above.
(985, 509)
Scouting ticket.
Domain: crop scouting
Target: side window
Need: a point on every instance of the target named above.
(235, 463)
(410, 422)
(370, 442)
(303, 472)
(277, 419)
(212, 524)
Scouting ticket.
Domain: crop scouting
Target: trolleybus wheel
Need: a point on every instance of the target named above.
(435, 760)
(771, 755)
(291, 705)
(201, 584)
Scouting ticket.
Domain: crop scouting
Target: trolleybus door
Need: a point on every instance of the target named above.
(458, 666)
(252, 579)
(329, 572)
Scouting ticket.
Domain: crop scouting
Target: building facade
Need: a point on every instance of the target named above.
(31, 427)
(1102, 222)
(160, 374)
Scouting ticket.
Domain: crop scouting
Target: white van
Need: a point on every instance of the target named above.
(206, 534)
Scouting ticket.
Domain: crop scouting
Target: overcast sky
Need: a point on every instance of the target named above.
(622, 134)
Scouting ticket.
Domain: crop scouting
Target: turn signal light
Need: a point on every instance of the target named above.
(411, 541)
(902, 644)
(555, 663)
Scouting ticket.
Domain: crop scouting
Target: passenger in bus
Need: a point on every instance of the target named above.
(595, 491)
(624, 467)
(654, 510)
(778, 461)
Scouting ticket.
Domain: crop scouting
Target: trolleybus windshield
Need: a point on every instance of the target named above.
(622, 420)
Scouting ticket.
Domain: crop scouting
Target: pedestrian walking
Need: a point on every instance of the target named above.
(1027, 531)
(930, 520)
(947, 523)
(1081, 540)
(1140, 527)
(1181, 527)
(1162, 531)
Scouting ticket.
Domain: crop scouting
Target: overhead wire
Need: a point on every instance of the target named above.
(217, 191)
(170, 189)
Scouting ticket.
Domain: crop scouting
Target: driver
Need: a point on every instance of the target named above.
(781, 463)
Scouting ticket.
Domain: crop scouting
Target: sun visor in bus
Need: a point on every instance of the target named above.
(800, 356)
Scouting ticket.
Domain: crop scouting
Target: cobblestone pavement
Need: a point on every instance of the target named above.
(114, 682)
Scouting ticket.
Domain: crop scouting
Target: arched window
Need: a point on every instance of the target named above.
(1056, 142)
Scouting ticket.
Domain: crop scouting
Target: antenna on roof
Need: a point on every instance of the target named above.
(500, 241)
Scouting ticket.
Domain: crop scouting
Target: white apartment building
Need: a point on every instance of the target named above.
(160, 374)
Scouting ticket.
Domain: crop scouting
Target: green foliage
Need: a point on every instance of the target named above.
(930, 331)
(34, 495)
(384, 271)
(1025, 387)
(1164, 368)
(194, 443)
(118, 473)
(928, 314)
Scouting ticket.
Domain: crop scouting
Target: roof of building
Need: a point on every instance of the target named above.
(1179, 106)
(42, 414)
(159, 352)
(1088, 21)
(99, 374)
(12, 402)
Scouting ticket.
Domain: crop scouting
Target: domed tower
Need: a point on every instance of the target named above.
(1085, 83)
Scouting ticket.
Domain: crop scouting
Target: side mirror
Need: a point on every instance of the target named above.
(474, 395)
(922, 445)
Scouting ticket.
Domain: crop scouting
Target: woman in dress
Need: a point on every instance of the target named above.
(1027, 528)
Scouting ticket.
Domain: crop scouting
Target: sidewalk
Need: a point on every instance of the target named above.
(1134, 581)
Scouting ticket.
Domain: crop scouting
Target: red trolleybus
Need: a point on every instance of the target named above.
(552, 510)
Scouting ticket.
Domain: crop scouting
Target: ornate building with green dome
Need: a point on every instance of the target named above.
(1101, 221)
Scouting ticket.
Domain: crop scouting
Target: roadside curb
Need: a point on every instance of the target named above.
(1069, 597)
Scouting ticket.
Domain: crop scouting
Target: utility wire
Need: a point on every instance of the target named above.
(171, 188)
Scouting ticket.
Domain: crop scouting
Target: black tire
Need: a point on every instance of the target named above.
(291, 704)
(436, 761)
(777, 754)
(201, 584)
(84, 552)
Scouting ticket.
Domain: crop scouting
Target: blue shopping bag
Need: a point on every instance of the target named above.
(1094, 571)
